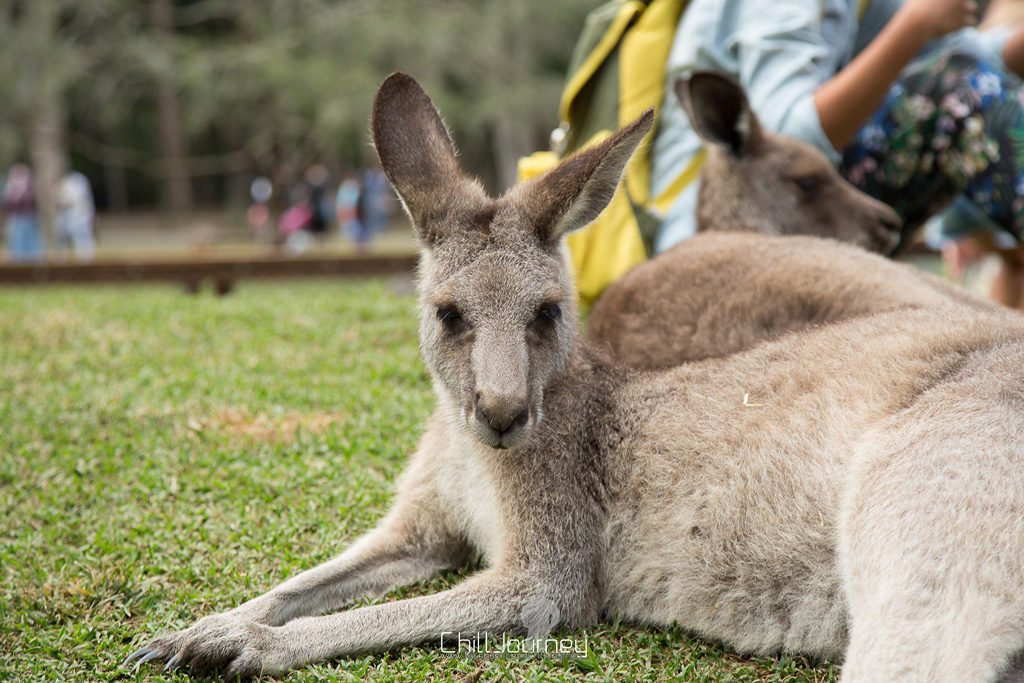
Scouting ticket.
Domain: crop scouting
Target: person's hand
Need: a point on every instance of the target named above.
(936, 18)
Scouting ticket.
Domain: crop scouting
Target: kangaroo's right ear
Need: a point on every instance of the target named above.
(719, 111)
(415, 150)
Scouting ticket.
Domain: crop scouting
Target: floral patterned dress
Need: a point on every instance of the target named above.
(952, 125)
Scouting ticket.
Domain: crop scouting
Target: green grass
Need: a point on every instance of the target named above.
(165, 456)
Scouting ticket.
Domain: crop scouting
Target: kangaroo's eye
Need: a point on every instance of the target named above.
(547, 314)
(809, 184)
(451, 318)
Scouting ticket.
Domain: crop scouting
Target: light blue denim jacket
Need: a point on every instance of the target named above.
(781, 51)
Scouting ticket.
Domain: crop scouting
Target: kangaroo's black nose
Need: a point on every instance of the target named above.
(892, 222)
(502, 413)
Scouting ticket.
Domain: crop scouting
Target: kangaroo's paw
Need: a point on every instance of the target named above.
(218, 643)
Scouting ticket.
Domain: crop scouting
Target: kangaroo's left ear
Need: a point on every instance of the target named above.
(418, 156)
(572, 194)
(719, 111)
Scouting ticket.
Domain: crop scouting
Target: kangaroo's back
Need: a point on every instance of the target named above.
(719, 293)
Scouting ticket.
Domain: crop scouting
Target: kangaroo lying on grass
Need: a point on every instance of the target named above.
(728, 288)
(867, 501)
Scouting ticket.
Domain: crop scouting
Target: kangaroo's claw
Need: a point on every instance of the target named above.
(150, 654)
(173, 662)
(135, 655)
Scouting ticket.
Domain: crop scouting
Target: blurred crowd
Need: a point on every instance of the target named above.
(73, 223)
(356, 208)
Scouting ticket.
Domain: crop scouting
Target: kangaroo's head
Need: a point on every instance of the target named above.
(754, 180)
(498, 317)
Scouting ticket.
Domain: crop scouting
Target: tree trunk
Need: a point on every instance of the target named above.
(236, 193)
(117, 188)
(46, 117)
(507, 147)
(510, 136)
(49, 158)
(177, 190)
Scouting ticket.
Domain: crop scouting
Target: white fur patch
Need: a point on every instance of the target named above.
(466, 483)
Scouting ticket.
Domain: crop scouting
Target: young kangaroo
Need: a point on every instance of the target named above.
(755, 181)
(725, 290)
(852, 489)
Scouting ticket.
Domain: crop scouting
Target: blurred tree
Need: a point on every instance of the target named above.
(173, 145)
(267, 86)
(35, 67)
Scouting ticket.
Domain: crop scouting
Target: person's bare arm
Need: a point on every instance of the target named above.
(1013, 52)
(846, 101)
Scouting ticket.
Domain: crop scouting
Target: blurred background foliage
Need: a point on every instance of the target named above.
(176, 104)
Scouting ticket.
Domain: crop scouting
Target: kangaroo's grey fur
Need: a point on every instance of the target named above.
(756, 181)
(856, 488)
(722, 292)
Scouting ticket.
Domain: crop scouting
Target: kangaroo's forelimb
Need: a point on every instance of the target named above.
(391, 556)
(490, 603)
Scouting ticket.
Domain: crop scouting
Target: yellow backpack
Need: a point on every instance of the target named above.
(617, 71)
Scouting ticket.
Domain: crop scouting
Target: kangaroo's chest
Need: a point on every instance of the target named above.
(472, 494)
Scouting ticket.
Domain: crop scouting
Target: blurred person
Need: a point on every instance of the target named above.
(1002, 13)
(374, 206)
(21, 230)
(318, 201)
(346, 207)
(913, 105)
(293, 226)
(76, 214)
(261, 190)
(964, 234)
(985, 249)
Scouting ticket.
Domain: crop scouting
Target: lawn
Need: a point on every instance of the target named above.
(165, 456)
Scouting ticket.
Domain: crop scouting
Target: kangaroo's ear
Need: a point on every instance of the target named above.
(416, 152)
(572, 194)
(719, 111)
